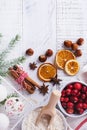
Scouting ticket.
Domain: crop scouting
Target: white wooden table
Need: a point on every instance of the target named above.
(35, 21)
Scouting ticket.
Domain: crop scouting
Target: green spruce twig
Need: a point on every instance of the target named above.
(5, 65)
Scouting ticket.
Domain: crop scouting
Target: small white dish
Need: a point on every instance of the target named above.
(63, 110)
(58, 112)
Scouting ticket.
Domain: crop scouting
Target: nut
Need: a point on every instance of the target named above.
(80, 41)
(74, 46)
(42, 58)
(49, 53)
(78, 53)
(30, 52)
(67, 43)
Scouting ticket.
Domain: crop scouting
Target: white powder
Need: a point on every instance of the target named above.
(29, 122)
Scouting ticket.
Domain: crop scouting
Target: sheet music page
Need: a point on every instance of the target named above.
(72, 24)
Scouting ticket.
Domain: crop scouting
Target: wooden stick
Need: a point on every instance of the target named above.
(33, 82)
(28, 83)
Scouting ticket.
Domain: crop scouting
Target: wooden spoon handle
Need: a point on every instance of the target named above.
(54, 99)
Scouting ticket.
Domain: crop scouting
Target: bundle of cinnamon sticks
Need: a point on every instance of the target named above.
(27, 83)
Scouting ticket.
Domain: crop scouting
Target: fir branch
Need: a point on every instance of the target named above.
(9, 48)
(17, 61)
(5, 65)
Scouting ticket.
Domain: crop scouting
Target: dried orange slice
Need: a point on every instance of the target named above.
(72, 67)
(46, 71)
(62, 57)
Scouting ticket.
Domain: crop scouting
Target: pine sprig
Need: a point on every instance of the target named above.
(9, 47)
(5, 65)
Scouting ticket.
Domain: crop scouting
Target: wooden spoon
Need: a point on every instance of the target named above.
(49, 110)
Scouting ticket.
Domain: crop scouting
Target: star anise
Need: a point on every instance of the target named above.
(55, 80)
(44, 89)
(32, 66)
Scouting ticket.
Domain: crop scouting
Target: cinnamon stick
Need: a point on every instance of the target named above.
(28, 83)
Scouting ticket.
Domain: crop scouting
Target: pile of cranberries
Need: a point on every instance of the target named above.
(74, 98)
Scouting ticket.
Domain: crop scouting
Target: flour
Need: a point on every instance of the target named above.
(29, 122)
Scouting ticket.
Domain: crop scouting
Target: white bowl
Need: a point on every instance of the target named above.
(63, 110)
(58, 112)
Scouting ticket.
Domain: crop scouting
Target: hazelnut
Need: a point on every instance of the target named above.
(30, 52)
(74, 46)
(42, 58)
(78, 53)
(49, 53)
(67, 43)
(80, 41)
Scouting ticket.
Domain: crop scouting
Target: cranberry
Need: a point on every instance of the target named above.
(68, 91)
(69, 110)
(84, 89)
(75, 99)
(84, 106)
(63, 104)
(78, 94)
(80, 111)
(78, 86)
(63, 93)
(83, 96)
(70, 86)
(74, 92)
(62, 99)
(70, 105)
(79, 106)
(66, 99)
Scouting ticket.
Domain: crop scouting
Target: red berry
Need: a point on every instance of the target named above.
(69, 110)
(68, 91)
(84, 106)
(75, 99)
(78, 94)
(84, 89)
(62, 99)
(70, 86)
(70, 105)
(66, 99)
(83, 96)
(78, 86)
(79, 106)
(80, 111)
(63, 93)
(63, 104)
(74, 92)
